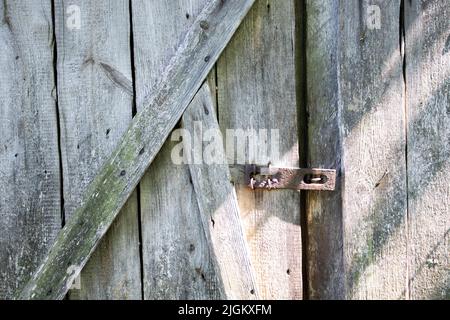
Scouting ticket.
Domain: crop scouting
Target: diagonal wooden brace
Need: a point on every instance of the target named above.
(219, 209)
(121, 173)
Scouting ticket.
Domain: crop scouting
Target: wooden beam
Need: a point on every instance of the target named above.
(217, 202)
(257, 90)
(371, 109)
(30, 194)
(115, 182)
(357, 238)
(325, 266)
(427, 52)
(95, 110)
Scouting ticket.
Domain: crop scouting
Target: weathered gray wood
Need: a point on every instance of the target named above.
(323, 209)
(95, 104)
(256, 89)
(428, 106)
(371, 110)
(176, 258)
(218, 205)
(117, 179)
(30, 196)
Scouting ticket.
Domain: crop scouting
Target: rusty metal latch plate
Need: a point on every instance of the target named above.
(272, 178)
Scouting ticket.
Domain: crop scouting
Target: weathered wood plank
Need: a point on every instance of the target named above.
(256, 90)
(95, 104)
(371, 107)
(428, 106)
(117, 179)
(176, 258)
(30, 195)
(323, 209)
(217, 202)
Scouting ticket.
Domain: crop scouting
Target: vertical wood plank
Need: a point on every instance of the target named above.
(373, 157)
(30, 196)
(325, 268)
(428, 106)
(357, 236)
(95, 95)
(256, 90)
(176, 257)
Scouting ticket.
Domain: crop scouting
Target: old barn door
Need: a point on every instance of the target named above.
(122, 73)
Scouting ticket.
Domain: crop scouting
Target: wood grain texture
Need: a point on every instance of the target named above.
(325, 268)
(30, 197)
(428, 105)
(95, 104)
(373, 157)
(256, 90)
(176, 257)
(216, 197)
(115, 182)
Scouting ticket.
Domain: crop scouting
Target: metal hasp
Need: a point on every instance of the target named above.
(272, 178)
